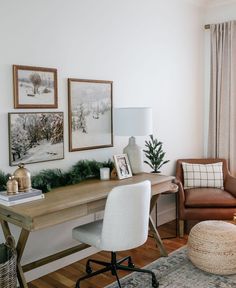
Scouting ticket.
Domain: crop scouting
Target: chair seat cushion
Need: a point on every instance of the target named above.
(208, 197)
(89, 233)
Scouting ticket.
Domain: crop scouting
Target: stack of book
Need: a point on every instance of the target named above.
(21, 197)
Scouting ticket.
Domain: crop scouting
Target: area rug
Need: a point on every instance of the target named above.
(176, 271)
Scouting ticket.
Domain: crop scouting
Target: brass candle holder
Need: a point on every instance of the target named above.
(23, 178)
(12, 186)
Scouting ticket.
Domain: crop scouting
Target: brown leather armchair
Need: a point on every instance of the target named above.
(205, 203)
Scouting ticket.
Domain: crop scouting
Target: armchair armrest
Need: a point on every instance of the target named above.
(181, 190)
(230, 184)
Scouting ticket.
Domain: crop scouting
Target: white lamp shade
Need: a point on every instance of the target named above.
(133, 121)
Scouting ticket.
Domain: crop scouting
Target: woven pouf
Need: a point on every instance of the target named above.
(212, 247)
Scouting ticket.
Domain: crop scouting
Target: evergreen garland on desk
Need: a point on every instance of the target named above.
(3, 180)
(47, 179)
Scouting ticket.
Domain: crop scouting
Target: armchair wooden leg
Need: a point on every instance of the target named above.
(181, 228)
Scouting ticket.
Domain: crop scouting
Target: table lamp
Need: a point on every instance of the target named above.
(132, 122)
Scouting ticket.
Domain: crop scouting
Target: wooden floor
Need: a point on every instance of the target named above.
(67, 276)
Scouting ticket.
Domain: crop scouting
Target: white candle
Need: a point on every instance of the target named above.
(105, 173)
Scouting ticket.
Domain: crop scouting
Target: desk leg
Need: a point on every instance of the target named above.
(20, 249)
(153, 227)
(5, 228)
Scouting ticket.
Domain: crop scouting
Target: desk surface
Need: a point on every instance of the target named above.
(74, 201)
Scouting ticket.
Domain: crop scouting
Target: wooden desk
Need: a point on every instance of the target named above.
(71, 202)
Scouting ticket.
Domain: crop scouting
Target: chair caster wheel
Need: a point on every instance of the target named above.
(88, 270)
(155, 284)
(131, 265)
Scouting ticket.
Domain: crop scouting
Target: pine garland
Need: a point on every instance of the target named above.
(47, 179)
(3, 180)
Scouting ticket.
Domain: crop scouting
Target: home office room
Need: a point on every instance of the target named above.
(110, 110)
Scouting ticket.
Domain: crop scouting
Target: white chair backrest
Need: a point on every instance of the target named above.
(126, 217)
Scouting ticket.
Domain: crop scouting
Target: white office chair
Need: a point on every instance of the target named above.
(125, 226)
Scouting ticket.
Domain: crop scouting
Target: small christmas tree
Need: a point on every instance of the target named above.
(155, 154)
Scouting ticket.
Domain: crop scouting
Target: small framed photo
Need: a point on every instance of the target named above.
(122, 166)
(90, 114)
(35, 87)
(35, 137)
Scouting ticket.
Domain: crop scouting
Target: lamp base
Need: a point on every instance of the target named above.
(135, 155)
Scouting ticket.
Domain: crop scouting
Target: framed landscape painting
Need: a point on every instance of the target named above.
(90, 114)
(35, 137)
(35, 87)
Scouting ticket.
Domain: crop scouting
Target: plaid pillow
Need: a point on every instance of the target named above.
(203, 175)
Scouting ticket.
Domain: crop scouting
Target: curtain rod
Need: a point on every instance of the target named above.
(207, 26)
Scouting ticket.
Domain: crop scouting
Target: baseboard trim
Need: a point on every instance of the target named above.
(60, 263)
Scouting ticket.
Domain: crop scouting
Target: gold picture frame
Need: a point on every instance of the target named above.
(90, 114)
(34, 87)
(122, 166)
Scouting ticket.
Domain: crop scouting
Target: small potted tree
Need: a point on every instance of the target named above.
(154, 154)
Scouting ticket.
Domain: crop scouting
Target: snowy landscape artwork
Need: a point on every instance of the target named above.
(35, 137)
(35, 87)
(90, 114)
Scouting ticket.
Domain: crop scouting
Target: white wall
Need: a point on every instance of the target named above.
(151, 49)
(224, 11)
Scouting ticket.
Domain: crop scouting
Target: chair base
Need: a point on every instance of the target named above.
(113, 266)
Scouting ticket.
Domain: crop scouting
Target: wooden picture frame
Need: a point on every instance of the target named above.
(122, 166)
(34, 87)
(90, 114)
(35, 137)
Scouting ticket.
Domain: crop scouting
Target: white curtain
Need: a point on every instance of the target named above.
(222, 120)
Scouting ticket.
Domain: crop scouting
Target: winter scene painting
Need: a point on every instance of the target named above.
(35, 87)
(90, 114)
(35, 137)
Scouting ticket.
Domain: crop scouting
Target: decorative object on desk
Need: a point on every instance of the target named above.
(21, 201)
(104, 173)
(35, 137)
(114, 174)
(154, 154)
(122, 166)
(21, 197)
(23, 177)
(35, 87)
(85, 169)
(47, 179)
(12, 185)
(90, 114)
(137, 122)
(82, 170)
(3, 180)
